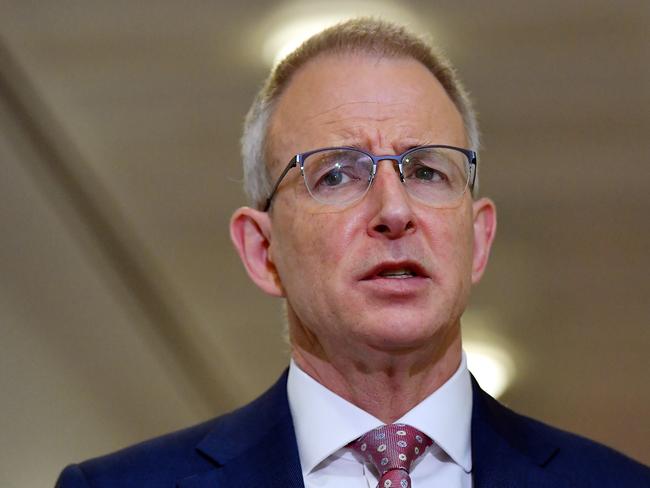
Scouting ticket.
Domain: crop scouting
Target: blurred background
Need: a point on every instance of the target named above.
(124, 311)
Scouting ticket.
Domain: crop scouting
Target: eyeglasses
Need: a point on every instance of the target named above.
(437, 175)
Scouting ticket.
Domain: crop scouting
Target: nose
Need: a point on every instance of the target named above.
(392, 212)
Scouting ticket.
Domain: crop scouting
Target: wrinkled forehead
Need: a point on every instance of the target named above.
(378, 103)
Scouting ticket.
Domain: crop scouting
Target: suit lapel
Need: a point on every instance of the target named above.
(253, 446)
(505, 450)
(256, 446)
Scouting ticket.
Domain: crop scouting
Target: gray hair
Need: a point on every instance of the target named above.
(361, 35)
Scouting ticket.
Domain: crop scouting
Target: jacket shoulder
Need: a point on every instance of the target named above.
(581, 461)
(164, 460)
(156, 462)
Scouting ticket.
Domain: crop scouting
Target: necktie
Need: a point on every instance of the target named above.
(392, 449)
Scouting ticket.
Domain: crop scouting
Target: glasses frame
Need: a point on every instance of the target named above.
(299, 161)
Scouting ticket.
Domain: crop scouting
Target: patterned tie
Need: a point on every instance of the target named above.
(392, 449)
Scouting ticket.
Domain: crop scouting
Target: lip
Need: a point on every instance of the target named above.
(374, 274)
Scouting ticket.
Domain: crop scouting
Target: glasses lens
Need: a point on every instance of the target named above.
(437, 176)
(337, 176)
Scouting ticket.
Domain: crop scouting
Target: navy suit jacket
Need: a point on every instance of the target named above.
(255, 446)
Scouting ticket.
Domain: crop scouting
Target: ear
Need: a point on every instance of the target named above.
(250, 232)
(485, 227)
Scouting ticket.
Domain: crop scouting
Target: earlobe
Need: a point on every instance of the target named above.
(250, 232)
(485, 226)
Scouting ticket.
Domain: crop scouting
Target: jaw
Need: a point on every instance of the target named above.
(362, 375)
(392, 329)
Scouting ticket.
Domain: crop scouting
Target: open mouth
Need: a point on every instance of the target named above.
(396, 271)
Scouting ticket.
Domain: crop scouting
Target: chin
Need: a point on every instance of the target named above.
(398, 333)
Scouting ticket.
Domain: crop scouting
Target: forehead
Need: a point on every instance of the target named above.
(380, 104)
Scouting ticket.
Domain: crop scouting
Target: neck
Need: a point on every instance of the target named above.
(363, 379)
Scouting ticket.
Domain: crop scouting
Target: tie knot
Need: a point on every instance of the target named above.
(393, 446)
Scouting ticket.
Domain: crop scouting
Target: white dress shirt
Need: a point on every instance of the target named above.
(325, 423)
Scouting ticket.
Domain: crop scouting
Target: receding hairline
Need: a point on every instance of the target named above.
(364, 35)
(342, 53)
(284, 74)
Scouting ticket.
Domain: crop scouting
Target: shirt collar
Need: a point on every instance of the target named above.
(446, 416)
(324, 422)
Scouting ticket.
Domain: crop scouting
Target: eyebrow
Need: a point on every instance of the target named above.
(399, 147)
(358, 137)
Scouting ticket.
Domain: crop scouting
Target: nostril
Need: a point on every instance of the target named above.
(394, 229)
(382, 228)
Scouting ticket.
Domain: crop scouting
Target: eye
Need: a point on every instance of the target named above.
(424, 170)
(426, 173)
(334, 177)
(337, 174)
(341, 173)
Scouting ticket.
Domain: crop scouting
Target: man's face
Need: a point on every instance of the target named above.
(339, 267)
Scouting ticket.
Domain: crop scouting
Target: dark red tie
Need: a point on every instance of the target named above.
(392, 449)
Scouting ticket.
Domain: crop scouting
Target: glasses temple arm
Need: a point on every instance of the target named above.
(295, 161)
(473, 166)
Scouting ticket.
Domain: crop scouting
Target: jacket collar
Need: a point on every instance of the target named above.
(509, 450)
(253, 446)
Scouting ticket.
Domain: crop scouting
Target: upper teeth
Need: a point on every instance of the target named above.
(398, 273)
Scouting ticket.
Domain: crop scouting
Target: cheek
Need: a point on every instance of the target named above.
(309, 246)
(325, 238)
(451, 240)
(310, 255)
(464, 245)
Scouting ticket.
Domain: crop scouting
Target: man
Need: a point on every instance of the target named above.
(360, 165)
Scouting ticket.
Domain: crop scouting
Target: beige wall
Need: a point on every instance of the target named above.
(124, 313)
